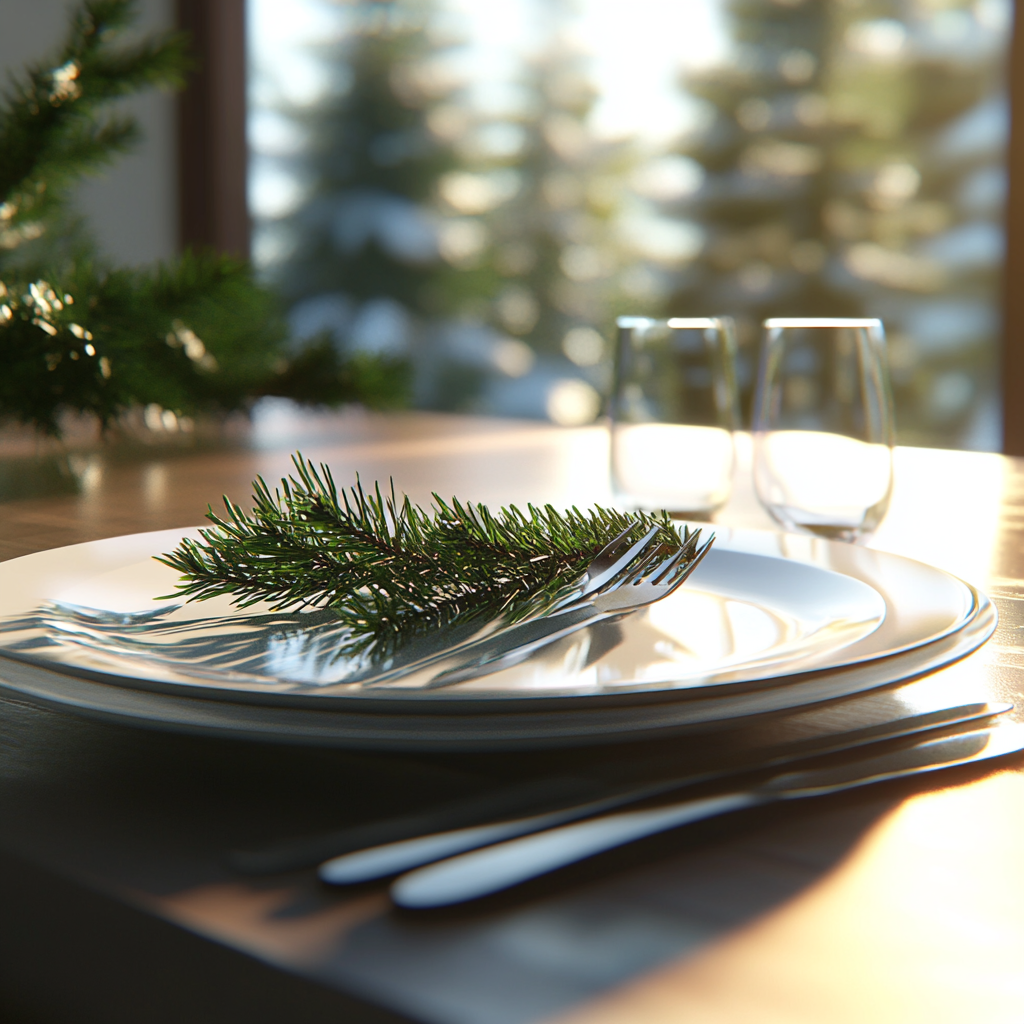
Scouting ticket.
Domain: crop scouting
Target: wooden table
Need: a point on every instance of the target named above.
(903, 903)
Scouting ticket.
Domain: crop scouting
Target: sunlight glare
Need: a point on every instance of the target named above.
(637, 62)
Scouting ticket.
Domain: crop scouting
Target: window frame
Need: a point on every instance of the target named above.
(1012, 337)
(212, 149)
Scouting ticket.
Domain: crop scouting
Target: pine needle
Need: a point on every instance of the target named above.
(388, 568)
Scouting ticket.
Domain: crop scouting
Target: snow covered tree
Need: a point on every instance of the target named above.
(362, 271)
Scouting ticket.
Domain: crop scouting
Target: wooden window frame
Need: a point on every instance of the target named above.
(212, 150)
(1012, 352)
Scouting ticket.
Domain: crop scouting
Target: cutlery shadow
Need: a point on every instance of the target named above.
(596, 775)
(592, 927)
(589, 928)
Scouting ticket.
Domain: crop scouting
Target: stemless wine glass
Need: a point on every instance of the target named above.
(673, 412)
(823, 426)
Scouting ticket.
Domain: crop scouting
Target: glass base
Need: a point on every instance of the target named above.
(700, 514)
(850, 531)
(850, 534)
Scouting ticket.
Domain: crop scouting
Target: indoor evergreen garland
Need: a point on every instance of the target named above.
(192, 334)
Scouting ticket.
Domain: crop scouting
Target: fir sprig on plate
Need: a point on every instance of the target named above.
(390, 569)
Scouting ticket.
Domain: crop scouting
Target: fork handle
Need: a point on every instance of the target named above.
(515, 645)
(457, 654)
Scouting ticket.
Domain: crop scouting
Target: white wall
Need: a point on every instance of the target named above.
(132, 206)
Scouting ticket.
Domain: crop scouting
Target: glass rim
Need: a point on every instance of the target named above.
(677, 322)
(821, 321)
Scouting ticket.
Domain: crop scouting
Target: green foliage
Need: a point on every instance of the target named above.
(107, 339)
(388, 568)
(317, 375)
(193, 334)
(50, 133)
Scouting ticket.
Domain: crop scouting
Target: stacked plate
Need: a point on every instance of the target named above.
(767, 623)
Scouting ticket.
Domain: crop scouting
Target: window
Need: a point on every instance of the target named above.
(482, 187)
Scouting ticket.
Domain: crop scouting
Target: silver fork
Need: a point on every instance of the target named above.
(611, 560)
(612, 568)
(651, 579)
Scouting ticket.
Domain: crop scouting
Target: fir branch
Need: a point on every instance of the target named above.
(387, 567)
(49, 132)
(191, 335)
(195, 334)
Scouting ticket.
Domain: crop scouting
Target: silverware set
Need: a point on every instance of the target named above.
(487, 845)
(503, 865)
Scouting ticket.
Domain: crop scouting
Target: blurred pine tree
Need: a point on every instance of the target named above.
(364, 274)
(833, 186)
(473, 240)
(548, 197)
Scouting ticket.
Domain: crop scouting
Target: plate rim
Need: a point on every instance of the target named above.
(359, 730)
(440, 703)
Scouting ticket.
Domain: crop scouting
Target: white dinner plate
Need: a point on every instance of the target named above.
(767, 622)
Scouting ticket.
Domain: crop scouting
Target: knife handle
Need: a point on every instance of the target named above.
(494, 868)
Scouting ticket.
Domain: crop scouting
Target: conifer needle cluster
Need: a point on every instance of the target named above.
(390, 569)
(193, 334)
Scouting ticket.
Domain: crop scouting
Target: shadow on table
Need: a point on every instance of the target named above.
(556, 942)
(151, 817)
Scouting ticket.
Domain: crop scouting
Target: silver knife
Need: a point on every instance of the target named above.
(487, 871)
(403, 855)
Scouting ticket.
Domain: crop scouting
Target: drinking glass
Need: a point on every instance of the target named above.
(823, 426)
(673, 411)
